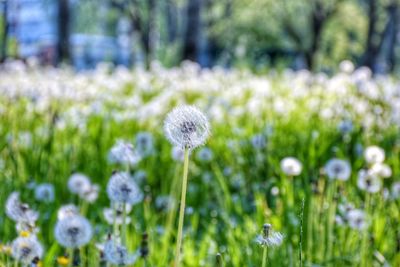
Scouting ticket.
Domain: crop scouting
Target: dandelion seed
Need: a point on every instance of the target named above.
(144, 144)
(26, 249)
(374, 154)
(345, 126)
(338, 169)
(381, 170)
(396, 190)
(44, 192)
(186, 127)
(73, 232)
(291, 166)
(78, 183)
(116, 215)
(91, 193)
(118, 254)
(18, 211)
(121, 188)
(368, 182)
(124, 153)
(269, 237)
(67, 211)
(356, 219)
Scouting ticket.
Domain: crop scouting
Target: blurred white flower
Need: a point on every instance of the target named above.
(78, 183)
(356, 219)
(67, 211)
(291, 166)
(338, 169)
(368, 182)
(374, 154)
(121, 188)
(73, 231)
(44, 192)
(124, 153)
(381, 170)
(26, 249)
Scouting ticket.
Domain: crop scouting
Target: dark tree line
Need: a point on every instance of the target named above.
(189, 26)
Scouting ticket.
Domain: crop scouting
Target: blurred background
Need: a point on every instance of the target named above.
(256, 34)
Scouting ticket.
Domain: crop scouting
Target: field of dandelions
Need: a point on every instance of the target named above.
(197, 167)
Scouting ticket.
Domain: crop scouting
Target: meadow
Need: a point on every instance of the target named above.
(299, 169)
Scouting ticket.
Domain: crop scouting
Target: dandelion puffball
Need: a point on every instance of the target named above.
(73, 232)
(26, 249)
(121, 188)
(374, 154)
(291, 166)
(338, 169)
(186, 127)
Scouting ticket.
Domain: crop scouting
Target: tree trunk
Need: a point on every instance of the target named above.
(3, 49)
(393, 10)
(172, 21)
(150, 36)
(318, 19)
(63, 30)
(371, 52)
(191, 43)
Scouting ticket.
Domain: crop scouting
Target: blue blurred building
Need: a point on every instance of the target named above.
(34, 25)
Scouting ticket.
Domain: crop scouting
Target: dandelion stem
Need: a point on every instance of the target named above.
(182, 207)
(123, 230)
(265, 256)
(70, 253)
(364, 242)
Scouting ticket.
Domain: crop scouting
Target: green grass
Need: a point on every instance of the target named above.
(228, 209)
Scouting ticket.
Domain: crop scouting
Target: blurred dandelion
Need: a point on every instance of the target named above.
(291, 166)
(26, 249)
(338, 169)
(73, 231)
(268, 238)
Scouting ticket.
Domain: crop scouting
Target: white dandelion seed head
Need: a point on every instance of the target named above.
(115, 214)
(144, 143)
(274, 239)
(368, 182)
(66, 211)
(73, 232)
(186, 127)
(381, 170)
(26, 249)
(204, 154)
(338, 169)
(18, 211)
(117, 254)
(122, 188)
(78, 183)
(91, 193)
(44, 192)
(291, 166)
(396, 190)
(24, 226)
(123, 152)
(374, 154)
(356, 219)
(345, 126)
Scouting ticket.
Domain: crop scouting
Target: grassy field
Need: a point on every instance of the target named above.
(336, 204)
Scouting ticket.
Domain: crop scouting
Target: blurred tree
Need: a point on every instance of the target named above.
(382, 26)
(5, 27)
(191, 42)
(63, 30)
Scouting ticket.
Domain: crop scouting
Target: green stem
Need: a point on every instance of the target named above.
(364, 242)
(123, 230)
(70, 252)
(265, 256)
(182, 208)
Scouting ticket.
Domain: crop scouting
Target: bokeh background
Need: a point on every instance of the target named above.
(260, 34)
